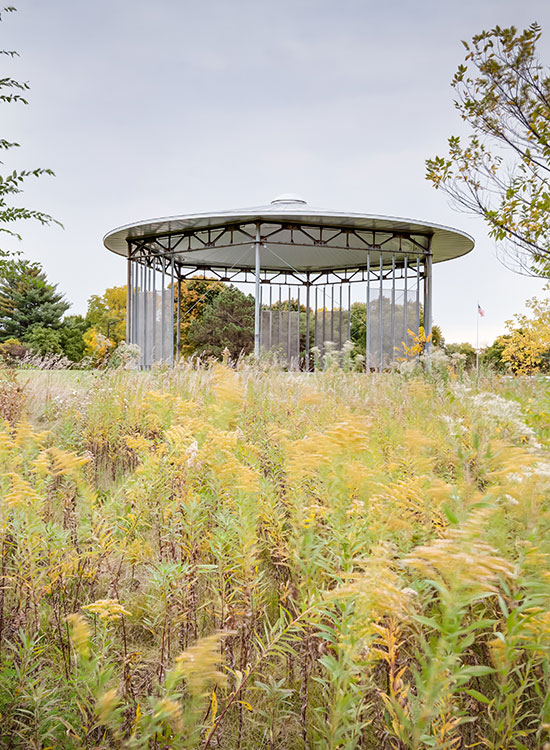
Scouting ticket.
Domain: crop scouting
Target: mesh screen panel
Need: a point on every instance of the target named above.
(332, 326)
(280, 333)
(154, 332)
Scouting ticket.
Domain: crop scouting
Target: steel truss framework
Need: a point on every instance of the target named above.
(393, 267)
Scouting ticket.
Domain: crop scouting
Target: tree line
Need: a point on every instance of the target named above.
(214, 317)
(33, 319)
(501, 173)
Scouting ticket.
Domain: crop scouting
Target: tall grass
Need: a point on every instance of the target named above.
(242, 559)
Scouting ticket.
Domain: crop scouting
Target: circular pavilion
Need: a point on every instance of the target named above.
(307, 265)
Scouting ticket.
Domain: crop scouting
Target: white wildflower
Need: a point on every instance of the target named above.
(192, 452)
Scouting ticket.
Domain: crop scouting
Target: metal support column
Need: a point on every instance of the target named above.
(154, 350)
(428, 293)
(280, 339)
(289, 330)
(417, 296)
(324, 318)
(380, 313)
(145, 292)
(261, 313)
(392, 356)
(162, 312)
(135, 297)
(308, 291)
(270, 317)
(349, 312)
(178, 321)
(129, 297)
(172, 310)
(367, 332)
(332, 313)
(298, 332)
(315, 318)
(340, 322)
(405, 302)
(257, 308)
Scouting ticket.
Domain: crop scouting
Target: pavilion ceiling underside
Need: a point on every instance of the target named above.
(300, 248)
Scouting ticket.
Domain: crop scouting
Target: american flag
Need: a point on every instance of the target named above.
(480, 311)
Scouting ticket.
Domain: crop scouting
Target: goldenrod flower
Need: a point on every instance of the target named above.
(107, 609)
(169, 711)
(106, 704)
(199, 664)
(80, 634)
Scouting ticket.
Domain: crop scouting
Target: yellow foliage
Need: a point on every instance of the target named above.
(138, 443)
(107, 313)
(20, 493)
(528, 339)
(461, 557)
(198, 665)
(325, 449)
(169, 711)
(98, 346)
(106, 704)
(109, 610)
(80, 634)
(418, 345)
(262, 500)
(377, 591)
(56, 462)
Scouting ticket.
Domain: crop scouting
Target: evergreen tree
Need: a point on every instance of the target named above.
(27, 300)
(196, 295)
(44, 340)
(71, 335)
(228, 322)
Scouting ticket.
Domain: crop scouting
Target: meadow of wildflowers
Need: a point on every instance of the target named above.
(219, 558)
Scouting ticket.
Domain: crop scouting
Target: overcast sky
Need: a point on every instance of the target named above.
(148, 109)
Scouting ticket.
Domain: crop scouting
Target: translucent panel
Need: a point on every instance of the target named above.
(378, 308)
(154, 332)
(389, 328)
(332, 326)
(280, 333)
(392, 312)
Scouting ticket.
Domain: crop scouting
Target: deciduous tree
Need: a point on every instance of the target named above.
(501, 171)
(492, 356)
(13, 91)
(97, 346)
(107, 313)
(466, 350)
(526, 348)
